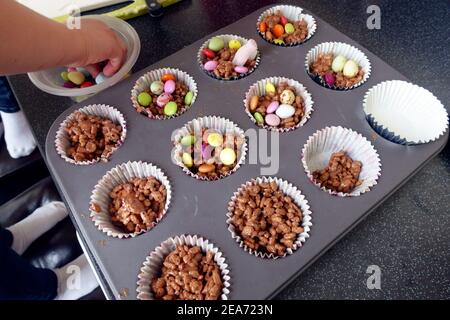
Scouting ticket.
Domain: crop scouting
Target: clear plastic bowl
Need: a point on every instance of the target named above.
(51, 82)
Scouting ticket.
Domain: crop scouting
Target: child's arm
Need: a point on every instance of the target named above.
(29, 42)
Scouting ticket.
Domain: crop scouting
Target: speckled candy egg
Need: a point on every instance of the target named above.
(157, 87)
(287, 97)
(272, 120)
(285, 111)
(272, 107)
(163, 99)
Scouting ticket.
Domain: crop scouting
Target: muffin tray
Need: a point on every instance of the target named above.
(200, 207)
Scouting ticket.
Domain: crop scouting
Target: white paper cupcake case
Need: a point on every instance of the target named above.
(62, 142)
(319, 147)
(209, 122)
(144, 82)
(152, 265)
(405, 113)
(226, 38)
(292, 13)
(118, 175)
(338, 48)
(288, 189)
(259, 89)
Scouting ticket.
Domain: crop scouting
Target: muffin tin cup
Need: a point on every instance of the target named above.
(397, 110)
(288, 189)
(259, 89)
(319, 147)
(226, 38)
(338, 48)
(292, 13)
(120, 174)
(152, 265)
(220, 124)
(62, 142)
(144, 82)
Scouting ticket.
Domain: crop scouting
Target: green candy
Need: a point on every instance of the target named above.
(76, 77)
(188, 98)
(144, 99)
(278, 41)
(64, 75)
(258, 117)
(289, 28)
(216, 43)
(170, 108)
(187, 140)
(187, 159)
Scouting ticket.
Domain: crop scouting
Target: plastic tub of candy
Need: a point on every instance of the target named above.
(51, 82)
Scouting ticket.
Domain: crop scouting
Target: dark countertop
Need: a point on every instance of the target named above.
(408, 236)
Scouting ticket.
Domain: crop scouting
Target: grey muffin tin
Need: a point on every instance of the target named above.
(200, 207)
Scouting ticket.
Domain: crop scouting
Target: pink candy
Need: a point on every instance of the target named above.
(163, 99)
(210, 65)
(272, 107)
(241, 69)
(272, 120)
(169, 86)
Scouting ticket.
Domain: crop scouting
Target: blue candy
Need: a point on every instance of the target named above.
(83, 71)
(100, 78)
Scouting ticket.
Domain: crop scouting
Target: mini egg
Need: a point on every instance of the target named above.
(157, 87)
(258, 117)
(170, 108)
(76, 77)
(227, 156)
(289, 28)
(208, 53)
(338, 64)
(270, 88)
(187, 140)
(285, 111)
(100, 78)
(216, 43)
(64, 75)
(169, 86)
(351, 69)
(207, 152)
(144, 99)
(187, 159)
(234, 44)
(210, 65)
(215, 139)
(163, 99)
(329, 79)
(241, 69)
(287, 97)
(272, 120)
(272, 107)
(69, 85)
(188, 98)
(86, 84)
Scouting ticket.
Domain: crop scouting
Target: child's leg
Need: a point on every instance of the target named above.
(20, 280)
(19, 139)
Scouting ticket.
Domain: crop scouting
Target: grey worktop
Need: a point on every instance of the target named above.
(408, 236)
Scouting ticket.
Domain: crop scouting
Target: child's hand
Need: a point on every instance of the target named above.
(100, 43)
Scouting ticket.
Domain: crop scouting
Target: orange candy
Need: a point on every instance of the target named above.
(278, 30)
(263, 27)
(168, 76)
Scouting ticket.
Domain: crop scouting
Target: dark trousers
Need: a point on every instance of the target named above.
(7, 101)
(19, 279)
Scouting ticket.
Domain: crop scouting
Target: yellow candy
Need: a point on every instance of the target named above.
(215, 139)
(187, 159)
(234, 44)
(270, 88)
(227, 156)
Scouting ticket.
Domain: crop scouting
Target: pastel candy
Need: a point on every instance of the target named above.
(163, 99)
(247, 52)
(272, 120)
(241, 69)
(210, 65)
(169, 86)
(350, 69)
(216, 43)
(170, 108)
(258, 117)
(187, 140)
(227, 156)
(76, 77)
(215, 139)
(157, 87)
(272, 107)
(144, 99)
(338, 63)
(285, 111)
(100, 78)
(187, 159)
(188, 98)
